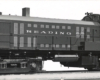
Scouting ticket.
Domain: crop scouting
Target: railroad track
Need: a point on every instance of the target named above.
(67, 71)
(50, 72)
(48, 75)
(47, 72)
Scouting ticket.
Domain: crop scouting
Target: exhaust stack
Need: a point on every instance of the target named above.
(0, 13)
(25, 11)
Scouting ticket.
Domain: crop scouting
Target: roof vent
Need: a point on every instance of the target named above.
(25, 11)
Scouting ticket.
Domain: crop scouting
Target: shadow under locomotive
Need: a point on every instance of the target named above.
(19, 61)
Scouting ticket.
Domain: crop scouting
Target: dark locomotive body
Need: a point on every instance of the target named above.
(27, 41)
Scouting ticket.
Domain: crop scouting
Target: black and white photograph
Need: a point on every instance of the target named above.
(49, 39)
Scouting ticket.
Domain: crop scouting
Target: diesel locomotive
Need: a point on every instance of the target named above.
(27, 41)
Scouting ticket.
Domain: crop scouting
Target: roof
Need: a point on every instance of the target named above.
(49, 20)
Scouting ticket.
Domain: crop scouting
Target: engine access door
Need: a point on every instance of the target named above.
(4, 35)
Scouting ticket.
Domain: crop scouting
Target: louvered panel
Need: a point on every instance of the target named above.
(21, 41)
(29, 41)
(15, 41)
(15, 28)
(21, 28)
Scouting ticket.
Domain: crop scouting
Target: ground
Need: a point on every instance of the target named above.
(54, 66)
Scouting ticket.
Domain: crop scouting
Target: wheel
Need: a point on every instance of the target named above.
(36, 66)
(90, 69)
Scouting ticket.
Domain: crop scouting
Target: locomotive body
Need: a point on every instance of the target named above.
(27, 41)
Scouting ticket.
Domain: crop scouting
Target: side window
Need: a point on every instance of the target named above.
(63, 45)
(63, 27)
(41, 26)
(29, 25)
(68, 27)
(35, 25)
(53, 26)
(42, 45)
(46, 45)
(57, 45)
(47, 26)
(57, 27)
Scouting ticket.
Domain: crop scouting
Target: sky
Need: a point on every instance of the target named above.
(63, 9)
(60, 9)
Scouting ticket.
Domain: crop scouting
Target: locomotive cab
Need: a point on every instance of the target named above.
(92, 17)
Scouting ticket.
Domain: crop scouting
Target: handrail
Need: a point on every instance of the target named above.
(85, 36)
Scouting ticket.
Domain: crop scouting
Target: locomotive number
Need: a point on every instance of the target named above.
(13, 64)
